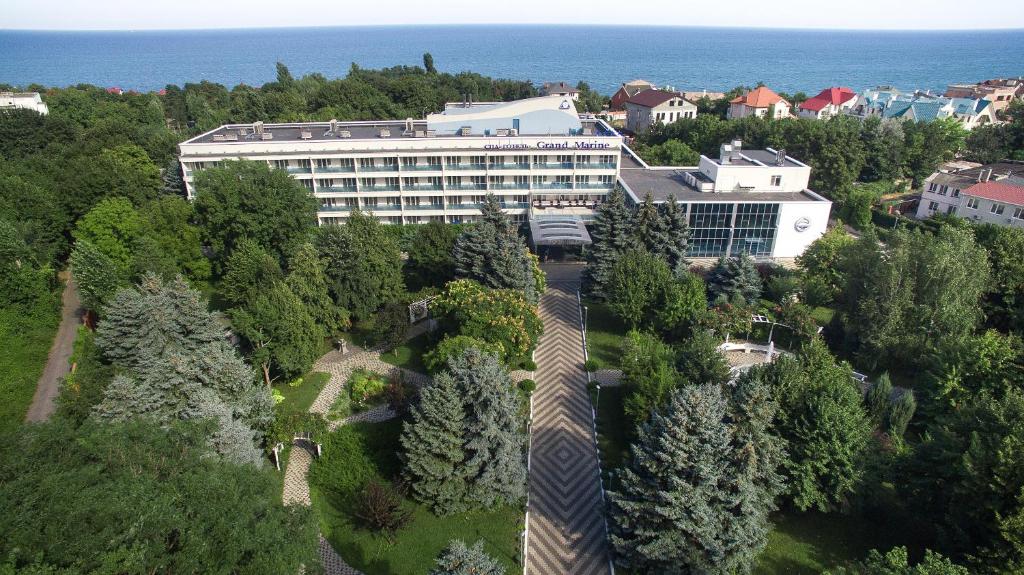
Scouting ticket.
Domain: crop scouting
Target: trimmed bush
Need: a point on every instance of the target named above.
(527, 386)
(591, 365)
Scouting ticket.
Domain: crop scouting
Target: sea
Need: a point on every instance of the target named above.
(715, 59)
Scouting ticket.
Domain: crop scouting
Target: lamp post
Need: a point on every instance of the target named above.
(585, 314)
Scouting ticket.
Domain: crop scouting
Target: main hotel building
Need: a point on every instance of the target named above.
(538, 156)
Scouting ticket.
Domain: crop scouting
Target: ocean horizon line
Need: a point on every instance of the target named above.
(516, 25)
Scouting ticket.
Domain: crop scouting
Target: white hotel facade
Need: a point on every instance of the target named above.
(538, 156)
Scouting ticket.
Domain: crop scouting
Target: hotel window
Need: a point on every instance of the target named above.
(972, 203)
(755, 227)
(479, 181)
(582, 180)
(390, 162)
(997, 209)
(522, 160)
(710, 224)
(324, 183)
(933, 206)
(776, 181)
(538, 180)
(607, 180)
(305, 164)
(563, 179)
(956, 193)
(943, 190)
(370, 202)
(564, 159)
(351, 202)
(951, 210)
(365, 162)
(391, 182)
(347, 163)
(931, 187)
(496, 180)
(308, 184)
(281, 164)
(1018, 213)
(323, 162)
(366, 182)
(523, 181)
(434, 162)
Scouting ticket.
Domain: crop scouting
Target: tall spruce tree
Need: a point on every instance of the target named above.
(175, 364)
(649, 228)
(432, 443)
(675, 235)
(612, 235)
(735, 280)
(307, 280)
(495, 444)
(684, 501)
(492, 253)
(459, 559)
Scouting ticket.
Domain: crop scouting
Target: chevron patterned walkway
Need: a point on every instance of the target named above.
(567, 532)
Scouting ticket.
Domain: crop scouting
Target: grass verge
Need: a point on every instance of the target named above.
(413, 549)
(605, 333)
(25, 341)
(298, 399)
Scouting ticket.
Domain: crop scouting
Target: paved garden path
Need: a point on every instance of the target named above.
(57, 366)
(566, 527)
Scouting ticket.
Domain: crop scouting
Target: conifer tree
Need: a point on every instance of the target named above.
(492, 253)
(174, 364)
(676, 235)
(307, 280)
(612, 235)
(877, 399)
(735, 280)
(459, 559)
(432, 443)
(495, 445)
(683, 503)
(649, 227)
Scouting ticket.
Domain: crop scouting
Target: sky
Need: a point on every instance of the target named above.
(192, 14)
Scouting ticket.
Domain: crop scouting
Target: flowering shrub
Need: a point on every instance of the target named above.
(365, 386)
(499, 317)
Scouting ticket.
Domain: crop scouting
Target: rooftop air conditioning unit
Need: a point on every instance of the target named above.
(513, 132)
(588, 130)
(344, 134)
(242, 132)
(218, 137)
(266, 136)
(306, 135)
(419, 133)
(431, 133)
(465, 131)
(502, 131)
(385, 133)
(231, 137)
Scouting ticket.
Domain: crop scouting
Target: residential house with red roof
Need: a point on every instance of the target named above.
(652, 107)
(627, 91)
(760, 102)
(830, 102)
(993, 193)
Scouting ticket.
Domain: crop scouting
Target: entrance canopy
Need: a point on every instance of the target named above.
(558, 231)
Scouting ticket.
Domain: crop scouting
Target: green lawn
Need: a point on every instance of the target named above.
(605, 333)
(24, 345)
(298, 399)
(414, 548)
(823, 315)
(612, 428)
(410, 354)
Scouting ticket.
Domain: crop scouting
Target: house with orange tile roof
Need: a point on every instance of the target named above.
(830, 102)
(760, 102)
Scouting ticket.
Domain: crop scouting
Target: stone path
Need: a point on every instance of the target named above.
(566, 526)
(57, 366)
(340, 366)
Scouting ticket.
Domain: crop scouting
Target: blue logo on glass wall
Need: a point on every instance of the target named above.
(564, 105)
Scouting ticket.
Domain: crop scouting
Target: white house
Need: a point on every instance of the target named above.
(993, 193)
(830, 102)
(651, 107)
(559, 89)
(26, 100)
(760, 102)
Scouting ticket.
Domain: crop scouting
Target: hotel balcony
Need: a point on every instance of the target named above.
(335, 208)
(508, 166)
(375, 189)
(379, 168)
(554, 166)
(298, 170)
(422, 187)
(509, 186)
(553, 186)
(466, 167)
(335, 169)
(424, 206)
(382, 208)
(466, 187)
(422, 167)
(594, 186)
(335, 189)
(596, 165)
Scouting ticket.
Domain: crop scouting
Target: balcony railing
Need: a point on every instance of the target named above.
(379, 168)
(336, 169)
(594, 186)
(508, 166)
(335, 208)
(421, 187)
(466, 206)
(466, 166)
(336, 189)
(383, 208)
(422, 167)
(596, 165)
(554, 166)
(512, 186)
(424, 206)
(515, 205)
(299, 170)
(553, 186)
(466, 186)
(382, 188)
